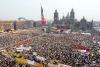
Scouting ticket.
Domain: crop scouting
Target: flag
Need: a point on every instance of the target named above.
(41, 11)
(21, 60)
(38, 65)
(42, 16)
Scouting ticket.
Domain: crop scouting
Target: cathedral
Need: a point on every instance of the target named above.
(69, 22)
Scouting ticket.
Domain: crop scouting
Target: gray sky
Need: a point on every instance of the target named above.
(12, 9)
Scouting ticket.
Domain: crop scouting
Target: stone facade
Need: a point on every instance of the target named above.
(5, 25)
(69, 22)
(18, 24)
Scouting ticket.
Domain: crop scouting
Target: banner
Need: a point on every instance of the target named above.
(31, 62)
(21, 60)
(40, 58)
(62, 65)
(39, 65)
(52, 65)
(23, 42)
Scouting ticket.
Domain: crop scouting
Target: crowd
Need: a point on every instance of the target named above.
(57, 48)
(10, 38)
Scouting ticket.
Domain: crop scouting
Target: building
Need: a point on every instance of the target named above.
(69, 22)
(5, 26)
(15, 25)
(24, 24)
(72, 16)
(85, 25)
(56, 18)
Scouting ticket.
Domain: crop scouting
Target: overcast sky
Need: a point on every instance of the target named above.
(12, 9)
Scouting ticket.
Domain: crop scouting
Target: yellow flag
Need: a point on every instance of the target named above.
(21, 60)
(39, 65)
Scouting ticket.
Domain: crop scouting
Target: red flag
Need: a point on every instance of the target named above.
(42, 16)
(42, 20)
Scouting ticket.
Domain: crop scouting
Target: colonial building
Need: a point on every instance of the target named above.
(56, 18)
(85, 25)
(64, 22)
(15, 24)
(5, 26)
(72, 16)
(69, 22)
(24, 24)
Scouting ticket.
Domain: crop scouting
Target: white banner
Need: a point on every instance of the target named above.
(62, 65)
(52, 65)
(31, 62)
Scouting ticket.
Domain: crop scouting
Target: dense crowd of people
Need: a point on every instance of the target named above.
(10, 38)
(56, 48)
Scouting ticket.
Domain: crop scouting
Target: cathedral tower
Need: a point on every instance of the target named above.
(56, 17)
(72, 16)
